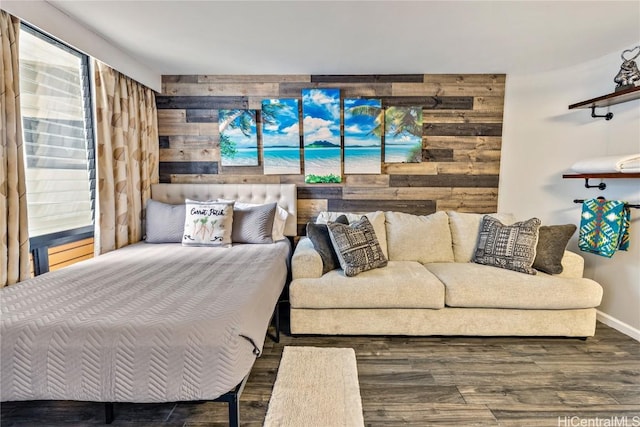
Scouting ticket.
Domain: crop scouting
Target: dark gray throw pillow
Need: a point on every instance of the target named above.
(164, 222)
(319, 236)
(552, 242)
(253, 224)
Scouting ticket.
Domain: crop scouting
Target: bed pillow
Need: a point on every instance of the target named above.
(253, 224)
(279, 219)
(512, 247)
(357, 246)
(164, 222)
(552, 242)
(207, 223)
(319, 236)
(279, 223)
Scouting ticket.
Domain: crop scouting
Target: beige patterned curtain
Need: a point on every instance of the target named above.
(14, 245)
(127, 156)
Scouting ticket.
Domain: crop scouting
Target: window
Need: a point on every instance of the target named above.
(58, 140)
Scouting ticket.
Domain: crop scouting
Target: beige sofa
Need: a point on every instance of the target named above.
(431, 287)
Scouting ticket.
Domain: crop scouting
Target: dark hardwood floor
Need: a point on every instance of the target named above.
(430, 381)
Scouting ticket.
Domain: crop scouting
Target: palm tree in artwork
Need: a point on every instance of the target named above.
(271, 111)
(234, 119)
(370, 111)
(404, 120)
(398, 120)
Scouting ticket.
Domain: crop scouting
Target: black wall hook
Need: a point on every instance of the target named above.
(607, 116)
(600, 186)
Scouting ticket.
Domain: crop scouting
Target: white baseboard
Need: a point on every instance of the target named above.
(618, 325)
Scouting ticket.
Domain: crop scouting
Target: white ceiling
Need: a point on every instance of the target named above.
(360, 37)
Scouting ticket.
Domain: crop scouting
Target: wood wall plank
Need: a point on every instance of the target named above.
(462, 116)
(253, 78)
(188, 154)
(416, 207)
(224, 179)
(367, 78)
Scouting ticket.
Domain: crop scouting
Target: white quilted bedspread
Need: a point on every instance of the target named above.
(146, 323)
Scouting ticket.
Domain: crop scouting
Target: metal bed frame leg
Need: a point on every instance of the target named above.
(108, 412)
(275, 319)
(234, 412)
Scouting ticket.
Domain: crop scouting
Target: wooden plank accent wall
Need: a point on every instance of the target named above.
(462, 136)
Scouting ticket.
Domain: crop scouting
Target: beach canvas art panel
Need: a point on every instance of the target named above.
(238, 137)
(403, 135)
(363, 136)
(280, 136)
(321, 135)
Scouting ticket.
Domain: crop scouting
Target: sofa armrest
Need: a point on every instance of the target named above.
(306, 261)
(572, 265)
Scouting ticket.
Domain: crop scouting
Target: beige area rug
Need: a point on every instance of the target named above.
(316, 387)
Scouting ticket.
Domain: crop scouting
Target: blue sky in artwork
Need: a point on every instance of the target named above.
(285, 131)
(236, 135)
(358, 128)
(321, 111)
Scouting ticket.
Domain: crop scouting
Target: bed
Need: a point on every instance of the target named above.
(148, 322)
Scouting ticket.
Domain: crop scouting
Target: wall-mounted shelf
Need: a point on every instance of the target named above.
(602, 185)
(613, 98)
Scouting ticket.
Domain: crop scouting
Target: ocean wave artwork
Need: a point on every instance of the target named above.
(238, 137)
(280, 136)
(363, 136)
(321, 135)
(403, 134)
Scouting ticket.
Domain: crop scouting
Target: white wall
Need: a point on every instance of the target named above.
(47, 18)
(542, 139)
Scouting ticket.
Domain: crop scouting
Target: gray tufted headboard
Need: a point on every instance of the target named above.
(284, 194)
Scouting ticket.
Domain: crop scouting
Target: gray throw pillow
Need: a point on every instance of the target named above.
(319, 236)
(253, 224)
(512, 247)
(357, 246)
(552, 242)
(164, 222)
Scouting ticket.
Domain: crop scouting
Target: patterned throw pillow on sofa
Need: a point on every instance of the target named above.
(207, 223)
(508, 246)
(357, 246)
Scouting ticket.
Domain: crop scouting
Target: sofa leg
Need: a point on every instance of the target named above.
(583, 338)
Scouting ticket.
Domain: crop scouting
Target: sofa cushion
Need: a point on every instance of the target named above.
(552, 242)
(508, 246)
(319, 236)
(419, 238)
(483, 286)
(377, 219)
(401, 284)
(357, 246)
(464, 232)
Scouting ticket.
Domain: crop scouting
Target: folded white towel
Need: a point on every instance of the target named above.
(630, 166)
(621, 163)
